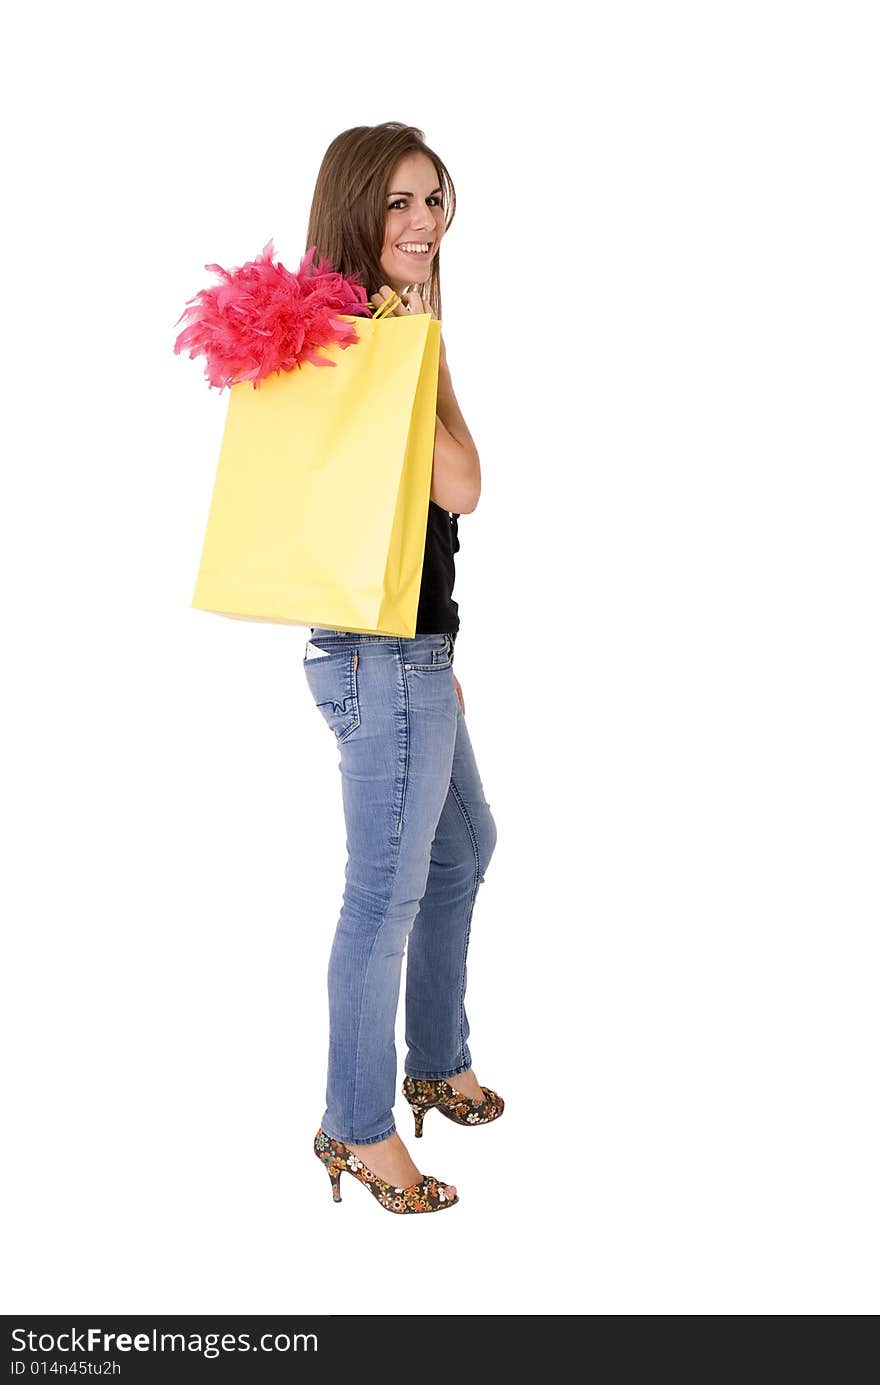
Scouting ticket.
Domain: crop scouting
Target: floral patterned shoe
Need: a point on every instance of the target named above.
(422, 1094)
(427, 1196)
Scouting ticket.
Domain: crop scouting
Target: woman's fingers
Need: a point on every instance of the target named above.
(411, 301)
(416, 303)
(380, 297)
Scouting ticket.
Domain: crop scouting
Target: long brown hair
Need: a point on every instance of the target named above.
(347, 220)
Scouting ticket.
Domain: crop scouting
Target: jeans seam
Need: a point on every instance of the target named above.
(467, 937)
(392, 877)
(353, 1140)
(357, 1043)
(437, 1076)
(406, 721)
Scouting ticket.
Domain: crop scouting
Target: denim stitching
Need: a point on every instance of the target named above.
(357, 1043)
(467, 937)
(395, 841)
(352, 1139)
(437, 1076)
(351, 696)
(406, 725)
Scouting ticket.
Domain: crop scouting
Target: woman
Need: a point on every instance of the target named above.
(419, 830)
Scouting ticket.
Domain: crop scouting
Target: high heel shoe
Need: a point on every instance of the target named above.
(429, 1195)
(422, 1094)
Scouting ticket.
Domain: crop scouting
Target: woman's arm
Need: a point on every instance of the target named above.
(455, 481)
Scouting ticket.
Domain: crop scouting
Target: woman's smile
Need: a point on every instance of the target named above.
(409, 251)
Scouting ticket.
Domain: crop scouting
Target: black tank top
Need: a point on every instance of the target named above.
(438, 613)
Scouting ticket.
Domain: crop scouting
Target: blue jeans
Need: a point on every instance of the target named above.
(419, 835)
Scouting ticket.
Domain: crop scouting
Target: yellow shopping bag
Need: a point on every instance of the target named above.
(320, 503)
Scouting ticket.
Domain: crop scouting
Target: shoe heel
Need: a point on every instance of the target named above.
(419, 1113)
(335, 1175)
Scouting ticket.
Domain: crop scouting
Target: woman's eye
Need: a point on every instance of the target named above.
(392, 206)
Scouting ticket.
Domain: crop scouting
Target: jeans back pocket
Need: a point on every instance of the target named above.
(332, 679)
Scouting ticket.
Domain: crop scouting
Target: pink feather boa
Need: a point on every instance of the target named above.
(263, 319)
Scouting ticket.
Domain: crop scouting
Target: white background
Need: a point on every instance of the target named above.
(661, 316)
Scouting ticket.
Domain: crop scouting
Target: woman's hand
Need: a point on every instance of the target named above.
(412, 302)
(459, 693)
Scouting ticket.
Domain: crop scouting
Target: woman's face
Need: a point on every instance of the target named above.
(413, 216)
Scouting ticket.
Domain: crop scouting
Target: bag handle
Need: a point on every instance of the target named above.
(387, 306)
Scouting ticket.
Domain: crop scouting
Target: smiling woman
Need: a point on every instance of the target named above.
(419, 831)
(379, 186)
